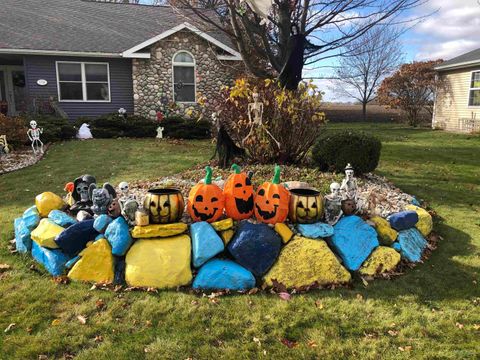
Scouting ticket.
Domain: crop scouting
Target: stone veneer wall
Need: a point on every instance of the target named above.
(152, 78)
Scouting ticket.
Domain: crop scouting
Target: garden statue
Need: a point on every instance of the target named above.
(333, 204)
(34, 135)
(129, 209)
(81, 195)
(84, 132)
(122, 112)
(349, 184)
(101, 198)
(4, 149)
(160, 132)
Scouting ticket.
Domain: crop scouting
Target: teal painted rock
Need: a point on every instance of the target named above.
(61, 218)
(353, 240)
(403, 220)
(205, 243)
(411, 244)
(23, 241)
(315, 231)
(220, 274)
(118, 235)
(52, 260)
(31, 217)
(101, 223)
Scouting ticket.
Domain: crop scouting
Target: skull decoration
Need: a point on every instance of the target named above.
(33, 124)
(333, 204)
(335, 189)
(101, 197)
(349, 184)
(123, 186)
(80, 194)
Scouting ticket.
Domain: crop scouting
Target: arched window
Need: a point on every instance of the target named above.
(183, 77)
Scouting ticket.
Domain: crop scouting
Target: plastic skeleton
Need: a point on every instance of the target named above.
(333, 204)
(128, 203)
(255, 111)
(4, 149)
(349, 184)
(34, 135)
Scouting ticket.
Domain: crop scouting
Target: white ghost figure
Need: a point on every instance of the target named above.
(84, 132)
(260, 7)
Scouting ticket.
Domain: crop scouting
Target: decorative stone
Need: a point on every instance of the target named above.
(386, 234)
(316, 230)
(62, 219)
(411, 244)
(226, 236)
(95, 264)
(425, 222)
(159, 230)
(75, 238)
(118, 235)
(31, 217)
(403, 220)
(45, 233)
(205, 243)
(255, 247)
(159, 263)
(222, 224)
(23, 241)
(52, 260)
(304, 262)
(48, 201)
(349, 206)
(353, 240)
(223, 275)
(383, 259)
(101, 223)
(284, 231)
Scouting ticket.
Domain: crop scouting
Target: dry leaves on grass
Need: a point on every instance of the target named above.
(5, 268)
(82, 319)
(100, 304)
(289, 343)
(405, 348)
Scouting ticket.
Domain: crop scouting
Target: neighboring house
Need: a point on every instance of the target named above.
(98, 57)
(457, 100)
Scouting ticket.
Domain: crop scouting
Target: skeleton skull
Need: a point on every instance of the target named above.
(123, 186)
(335, 188)
(82, 189)
(33, 124)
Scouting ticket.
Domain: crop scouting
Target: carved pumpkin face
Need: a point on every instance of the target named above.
(348, 206)
(164, 205)
(114, 208)
(306, 206)
(206, 200)
(239, 195)
(271, 201)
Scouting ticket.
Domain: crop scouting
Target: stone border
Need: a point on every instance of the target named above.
(26, 158)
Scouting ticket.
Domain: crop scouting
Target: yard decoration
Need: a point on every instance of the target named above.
(272, 200)
(4, 149)
(69, 187)
(333, 204)
(306, 206)
(206, 200)
(101, 197)
(239, 195)
(349, 184)
(164, 205)
(34, 135)
(48, 201)
(81, 195)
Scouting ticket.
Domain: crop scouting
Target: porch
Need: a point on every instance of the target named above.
(13, 90)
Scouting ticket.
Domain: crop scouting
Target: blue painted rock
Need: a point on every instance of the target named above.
(31, 217)
(118, 235)
(410, 243)
(403, 220)
(223, 275)
(23, 241)
(255, 247)
(61, 218)
(101, 223)
(316, 230)
(205, 243)
(52, 260)
(353, 240)
(74, 239)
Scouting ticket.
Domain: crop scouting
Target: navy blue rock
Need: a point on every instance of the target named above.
(256, 247)
(52, 260)
(31, 218)
(74, 239)
(220, 274)
(118, 235)
(101, 223)
(403, 220)
(61, 218)
(205, 243)
(353, 240)
(315, 231)
(411, 244)
(23, 241)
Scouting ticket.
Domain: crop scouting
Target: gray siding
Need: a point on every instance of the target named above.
(121, 86)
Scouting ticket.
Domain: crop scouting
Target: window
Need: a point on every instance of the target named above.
(474, 95)
(80, 81)
(183, 77)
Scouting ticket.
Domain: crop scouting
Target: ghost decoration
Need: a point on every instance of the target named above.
(84, 132)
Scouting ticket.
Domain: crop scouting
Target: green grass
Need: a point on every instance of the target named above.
(431, 311)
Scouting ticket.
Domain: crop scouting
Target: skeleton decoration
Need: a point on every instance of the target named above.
(34, 135)
(127, 202)
(101, 198)
(4, 149)
(81, 195)
(349, 185)
(160, 132)
(333, 204)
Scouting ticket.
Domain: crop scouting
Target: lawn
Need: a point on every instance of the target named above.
(431, 312)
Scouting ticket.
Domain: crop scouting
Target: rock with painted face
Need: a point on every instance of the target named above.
(220, 274)
(315, 231)
(403, 220)
(306, 206)
(75, 238)
(52, 260)
(61, 218)
(411, 244)
(118, 235)
(206, 200)
(205, 243)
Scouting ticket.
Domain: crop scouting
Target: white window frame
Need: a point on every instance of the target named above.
(470, 89)
(84, 81)
(194, 65)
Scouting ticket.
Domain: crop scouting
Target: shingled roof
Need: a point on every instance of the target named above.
(471, 58)
(87, 26)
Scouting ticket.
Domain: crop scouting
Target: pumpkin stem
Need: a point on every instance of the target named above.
(236, 168)
(276, 176)
(208, 176)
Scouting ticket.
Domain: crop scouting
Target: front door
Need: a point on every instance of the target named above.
(12, 89)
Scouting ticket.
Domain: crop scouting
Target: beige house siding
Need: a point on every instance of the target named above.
(451, 110)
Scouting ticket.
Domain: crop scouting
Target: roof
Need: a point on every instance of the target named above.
(471, 58)
(78, 26)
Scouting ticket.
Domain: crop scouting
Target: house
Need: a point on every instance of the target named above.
(97, 57)
(457, 99)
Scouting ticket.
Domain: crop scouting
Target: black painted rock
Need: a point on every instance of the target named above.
(256, 247)
(75, 238)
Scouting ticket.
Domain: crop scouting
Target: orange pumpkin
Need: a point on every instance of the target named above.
(206, 200)
(271, 201)
(239, 195)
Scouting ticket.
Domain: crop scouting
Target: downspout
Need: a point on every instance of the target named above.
(435, 101)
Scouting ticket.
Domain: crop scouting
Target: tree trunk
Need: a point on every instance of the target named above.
(364, 111)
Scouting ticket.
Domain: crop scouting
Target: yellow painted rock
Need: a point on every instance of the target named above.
(304, 261)
(222, 225)
(227, 235)
(45, 233)
(284, 231)
(158, 230)
(386, 234)
(381, 260)
(159, 263)
(95, 264)
(48, 201)
(425, 222)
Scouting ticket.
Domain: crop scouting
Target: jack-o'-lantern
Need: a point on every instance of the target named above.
(349, 206)
(239, 195)
(164, 205)
(206, 200)
(271, 201)
(306, 206)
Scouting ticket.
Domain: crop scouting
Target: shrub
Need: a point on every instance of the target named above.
(113, 126)
(54, 128)
(178, 127)
(15, 128)
(333, 151)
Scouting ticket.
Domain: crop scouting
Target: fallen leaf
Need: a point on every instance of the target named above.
(98, 339)
(365, 282)
(9, 327)
(82, 319)
(319, 304)
(257, 341)
(312, 344)
(405, 348)
(56, 322)
(100, 304)
(359, 297)
(285, 296)
(194, 303)
(61, 280)
(4, 267)
(289, 343)
(392, 332)
(148, 323)
(42, 357)
(460, 326)
(29, 330)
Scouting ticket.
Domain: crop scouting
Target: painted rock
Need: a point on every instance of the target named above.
(403, 220)
(316, 230)
(118, 235)
(101, 223)
(303, 262)
(31, 217)
(411, 244)
(425, 222)
(205, 243)
(159, 230)
(52, 260)
(159, 263)
(95, 264)
(284, 231)
(23, 241)
(353, 240)
(220, 274)
(223, 224)
(75, 238)
(383, 259)
(255, 247)
(226, 236)
(46, 232)
(62, 219)
(386, 234)
(349, 206)
(48, 201)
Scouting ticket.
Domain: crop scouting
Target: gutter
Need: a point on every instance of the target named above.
(460, 65)
(58, 53)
